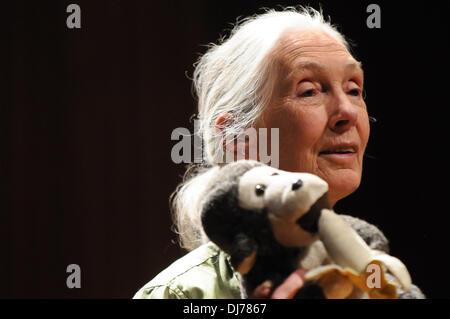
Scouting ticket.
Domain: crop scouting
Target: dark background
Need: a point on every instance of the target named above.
(86, 117)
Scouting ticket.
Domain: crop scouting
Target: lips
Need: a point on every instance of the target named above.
(338, 149)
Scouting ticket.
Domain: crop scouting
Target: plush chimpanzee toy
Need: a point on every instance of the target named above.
(272, 222)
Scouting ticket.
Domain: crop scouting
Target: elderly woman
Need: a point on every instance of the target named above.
(289, 70)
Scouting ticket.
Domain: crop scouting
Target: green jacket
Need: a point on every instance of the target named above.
(204, 273)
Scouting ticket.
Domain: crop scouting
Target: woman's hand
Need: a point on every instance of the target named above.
(287, 290)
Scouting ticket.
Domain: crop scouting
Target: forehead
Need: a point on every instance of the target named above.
(297, 49)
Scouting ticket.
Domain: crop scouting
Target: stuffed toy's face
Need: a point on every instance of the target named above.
(251, 209)
(293, 202)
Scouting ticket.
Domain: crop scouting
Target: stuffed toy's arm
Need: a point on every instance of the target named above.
(368, 232)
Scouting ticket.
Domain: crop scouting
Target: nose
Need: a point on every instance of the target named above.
(297, 185)
(344, 115)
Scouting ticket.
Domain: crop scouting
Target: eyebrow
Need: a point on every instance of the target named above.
(321, 67)
(354, 65)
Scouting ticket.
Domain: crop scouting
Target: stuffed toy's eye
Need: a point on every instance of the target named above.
(259, 189)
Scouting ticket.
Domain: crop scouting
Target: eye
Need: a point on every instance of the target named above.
(355, 92)
(354, 88)
(274, 174)
(309, 93)
(307, 88)
(259, 190)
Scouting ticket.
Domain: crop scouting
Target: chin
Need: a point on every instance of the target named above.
(342, 183)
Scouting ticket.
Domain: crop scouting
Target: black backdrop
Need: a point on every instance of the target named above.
(86, 118)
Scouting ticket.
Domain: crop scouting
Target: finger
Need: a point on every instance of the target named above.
(263, 291)
(290, 286)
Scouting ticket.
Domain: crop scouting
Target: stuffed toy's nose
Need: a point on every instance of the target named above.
(297, 185)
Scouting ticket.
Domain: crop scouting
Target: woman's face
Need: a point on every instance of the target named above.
(318, 107)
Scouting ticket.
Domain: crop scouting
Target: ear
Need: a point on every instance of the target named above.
(223, 120)
(240, 147)
(243, 253)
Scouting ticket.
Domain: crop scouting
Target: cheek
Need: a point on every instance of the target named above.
(305, 129)
(311, 126)
(300, 131)
(364, 128)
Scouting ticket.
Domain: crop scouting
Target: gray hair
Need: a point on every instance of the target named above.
(232, 77)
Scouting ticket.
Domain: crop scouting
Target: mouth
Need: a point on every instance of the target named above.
(340, 151)
(343, 148)
(310, 220)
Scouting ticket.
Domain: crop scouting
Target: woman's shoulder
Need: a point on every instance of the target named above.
(204, 272)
